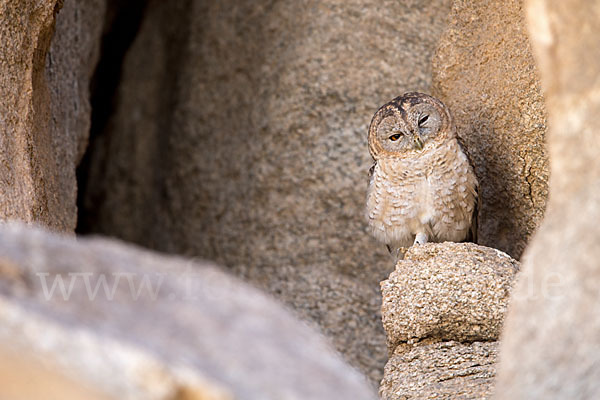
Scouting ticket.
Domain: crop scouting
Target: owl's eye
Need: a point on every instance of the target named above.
(423, 119)
(395, 137)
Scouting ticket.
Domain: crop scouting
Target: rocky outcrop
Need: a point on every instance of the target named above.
(485, 73)
(551, 341)
(240, 136)
(111, 319)
(44, 108)
(443, 309)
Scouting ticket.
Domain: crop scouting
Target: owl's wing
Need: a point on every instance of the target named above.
(372, 169)
(472, 236)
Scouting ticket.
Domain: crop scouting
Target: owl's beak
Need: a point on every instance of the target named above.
(418, 143)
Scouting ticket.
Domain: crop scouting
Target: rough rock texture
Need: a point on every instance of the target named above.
(551, 342)
(485, 73)
(70, 64)
(28, 178)
(43, 130)
(443, 309)
(240, 136)
(450, 291)
(442, 370)
(138, 325)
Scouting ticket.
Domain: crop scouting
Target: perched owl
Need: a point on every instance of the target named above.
(422, 186)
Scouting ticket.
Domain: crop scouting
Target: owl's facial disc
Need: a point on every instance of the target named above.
(410, 123)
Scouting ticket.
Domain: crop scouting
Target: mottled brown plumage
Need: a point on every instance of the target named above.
(422, 187)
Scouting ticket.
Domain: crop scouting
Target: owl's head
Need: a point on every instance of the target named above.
(409, 124)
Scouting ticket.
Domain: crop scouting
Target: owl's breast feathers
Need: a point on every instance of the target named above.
(432, 192)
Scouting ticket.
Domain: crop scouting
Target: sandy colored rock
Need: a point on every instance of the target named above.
(240, 136)
(18, 371)
(551, 341)
(44, 111)
(447, 291)
(137, 325)
(28, 177)
(485, 73)
(443, 308)
(446, 370)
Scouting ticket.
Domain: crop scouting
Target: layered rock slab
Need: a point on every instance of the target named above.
(443, 309)
(157, 328)
(484, 71)
(441, 370)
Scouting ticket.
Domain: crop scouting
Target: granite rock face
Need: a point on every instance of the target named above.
(443, 308)
(484, 71)
(44, 111)
(551, 341)
(240, 136)
(122, 323)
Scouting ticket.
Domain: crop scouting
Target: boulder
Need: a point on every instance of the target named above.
(551, 341)
(485, 73)
(18, 370)
(44, 111)
(101, 317)
(443, 308)
(448, 291)
(240, 136)
(29, 180)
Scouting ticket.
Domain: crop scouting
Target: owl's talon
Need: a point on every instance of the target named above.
(421, 238)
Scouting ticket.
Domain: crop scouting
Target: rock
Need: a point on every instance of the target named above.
(70, 65)
(28, 177)
(447, 291)
(485, 73)
(441, 370)
(443, 308)
(137, 325)
(240, 136)
(18, 371)
(44, 112)
(551, 341)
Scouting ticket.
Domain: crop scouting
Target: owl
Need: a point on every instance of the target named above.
(422, 186)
